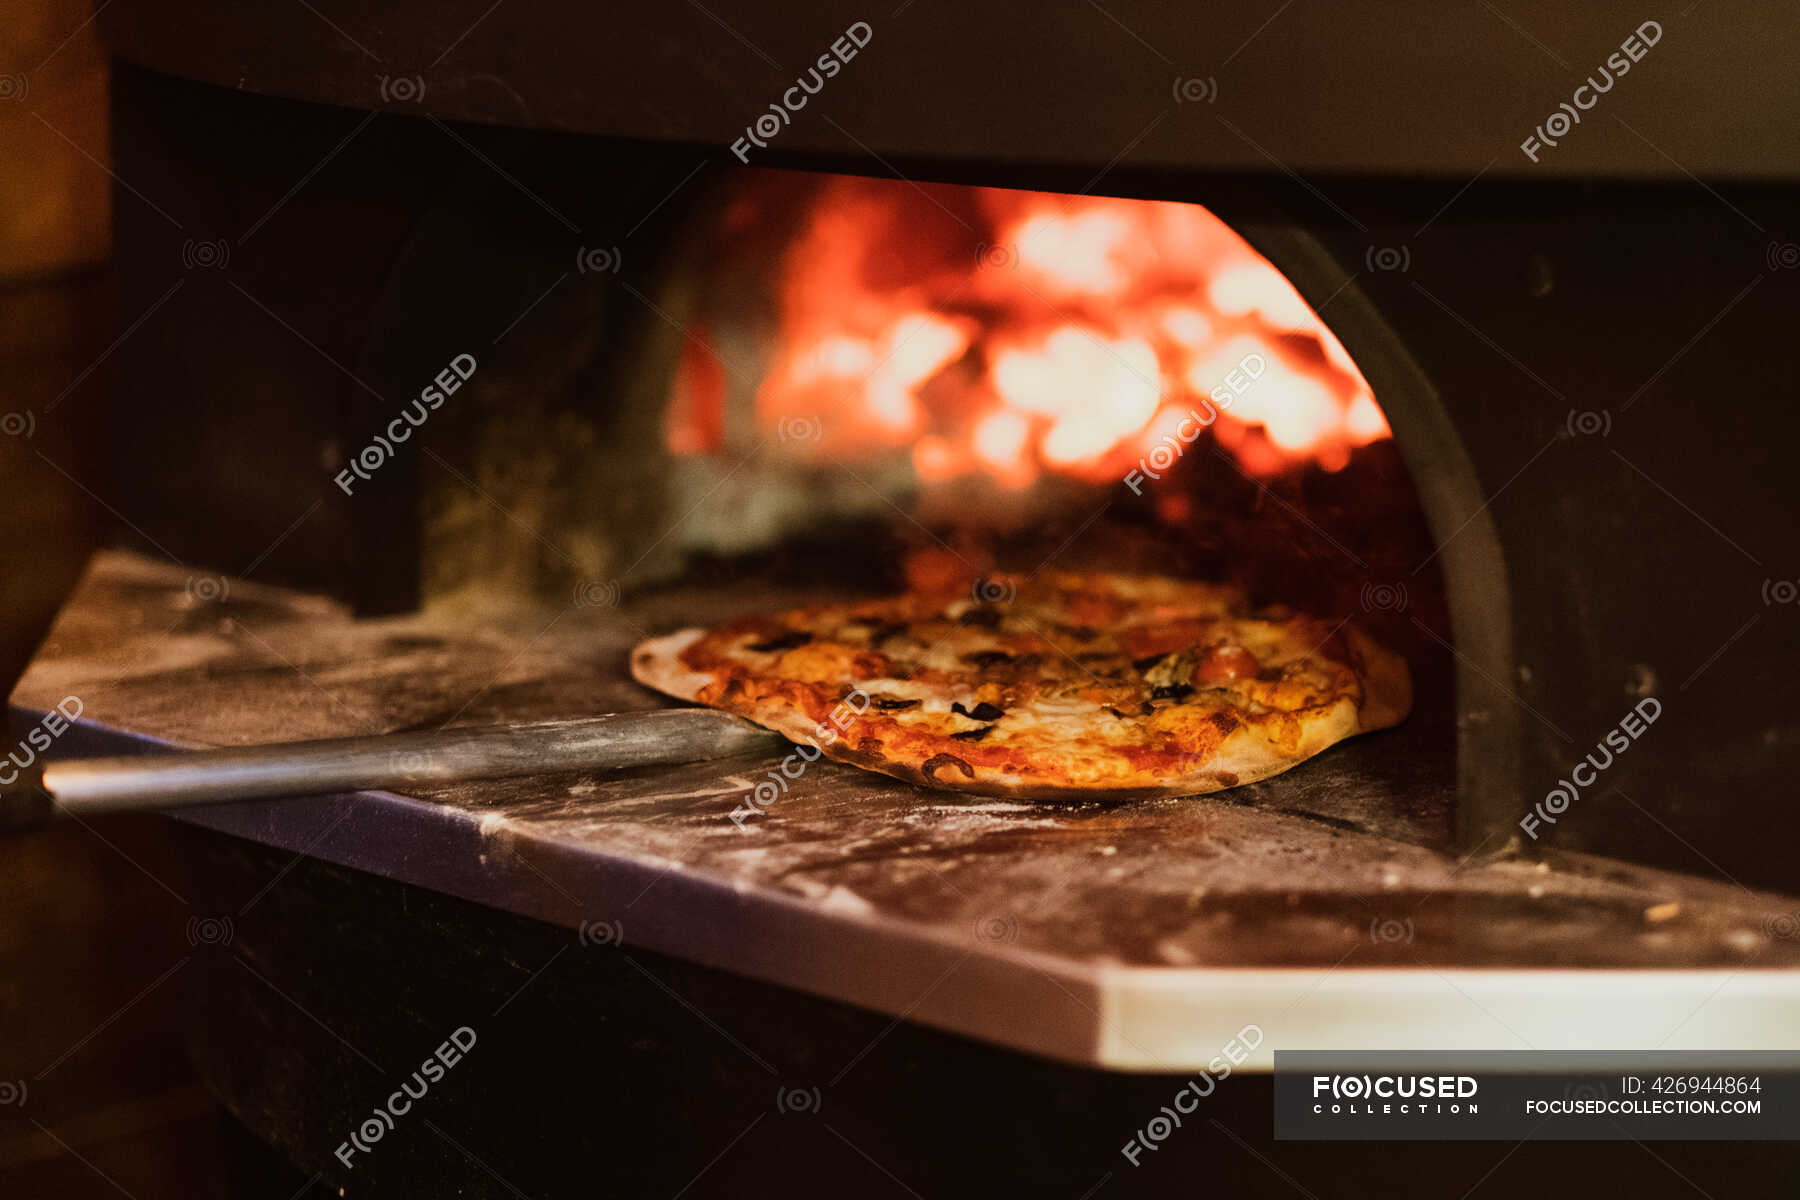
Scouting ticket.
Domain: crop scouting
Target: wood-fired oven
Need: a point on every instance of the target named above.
(449, 366)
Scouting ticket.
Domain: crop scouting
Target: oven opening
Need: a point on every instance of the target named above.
(870, 385)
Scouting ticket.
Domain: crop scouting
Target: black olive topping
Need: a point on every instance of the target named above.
(1174, 691)
(784, 641)
(973, 735)
(1146, 708)
(889, 705)
(984, 618)
(981, 712)
(988, 658)
(1115, 712)
(945, 760)
(1148, 661)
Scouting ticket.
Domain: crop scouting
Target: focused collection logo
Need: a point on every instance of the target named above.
(1397, 1095)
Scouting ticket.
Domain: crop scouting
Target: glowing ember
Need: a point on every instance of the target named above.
(1012, 333)
(1094, 392)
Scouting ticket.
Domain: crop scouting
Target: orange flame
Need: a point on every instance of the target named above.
(1013, 333)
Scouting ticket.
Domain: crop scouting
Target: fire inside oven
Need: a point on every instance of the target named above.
(1000, 359)
(1008, 335)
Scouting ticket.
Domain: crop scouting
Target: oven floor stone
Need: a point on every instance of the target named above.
(1138, 935)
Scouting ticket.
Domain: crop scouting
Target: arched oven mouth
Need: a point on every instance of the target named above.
(867, 385)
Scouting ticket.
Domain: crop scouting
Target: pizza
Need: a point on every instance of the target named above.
(1057, 684)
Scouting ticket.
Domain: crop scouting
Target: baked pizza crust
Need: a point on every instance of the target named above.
(1258, 747)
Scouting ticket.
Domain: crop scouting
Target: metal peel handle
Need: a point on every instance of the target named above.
(399, 760)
